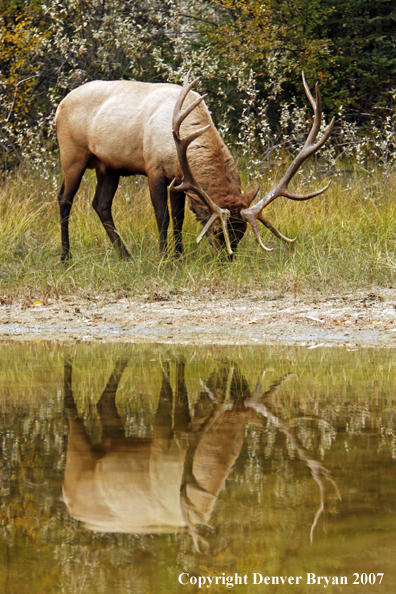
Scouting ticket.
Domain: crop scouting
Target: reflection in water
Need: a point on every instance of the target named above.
(156, 485)
(319, 472)
(172, 481)
(162, 451)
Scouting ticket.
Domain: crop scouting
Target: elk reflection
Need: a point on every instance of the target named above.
(170, 482)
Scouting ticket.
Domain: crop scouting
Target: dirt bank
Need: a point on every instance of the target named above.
(354, 320)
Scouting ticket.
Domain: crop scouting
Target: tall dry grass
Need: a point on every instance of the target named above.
(346, 240)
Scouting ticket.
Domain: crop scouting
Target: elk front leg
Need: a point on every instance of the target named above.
(177, 204)
(163, 423)
(159, 199)
(105, 189)
(112, 425)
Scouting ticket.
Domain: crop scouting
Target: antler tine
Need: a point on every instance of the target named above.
(308, 91)
(178, 115)
(189, 183)
(303, 197)
(250, 218)
(274, 230)
(281, 189)
(317, 108)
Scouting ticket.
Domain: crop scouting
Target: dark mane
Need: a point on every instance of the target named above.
(211, 161)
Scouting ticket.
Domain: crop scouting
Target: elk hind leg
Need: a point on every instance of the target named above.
(72, 177)
(106, 187)
(81, 457)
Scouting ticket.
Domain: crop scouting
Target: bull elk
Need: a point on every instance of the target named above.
(122, 128)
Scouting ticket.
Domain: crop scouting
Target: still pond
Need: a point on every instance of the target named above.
(155, 468)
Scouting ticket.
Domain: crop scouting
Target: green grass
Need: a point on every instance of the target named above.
(346, 240)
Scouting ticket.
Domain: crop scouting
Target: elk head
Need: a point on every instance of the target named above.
(232, 217)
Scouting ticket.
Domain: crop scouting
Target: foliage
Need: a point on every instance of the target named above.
(346, 45)
(250, 53)
(48, 49)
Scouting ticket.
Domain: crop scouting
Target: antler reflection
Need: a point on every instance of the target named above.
(319, 472)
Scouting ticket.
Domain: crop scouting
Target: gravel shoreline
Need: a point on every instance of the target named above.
(356, 320)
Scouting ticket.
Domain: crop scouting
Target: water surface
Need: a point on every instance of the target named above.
(145, 469)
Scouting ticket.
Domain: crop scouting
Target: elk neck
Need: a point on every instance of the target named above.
(213, 166)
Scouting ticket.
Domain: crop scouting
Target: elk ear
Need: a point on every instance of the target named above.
(251, 195)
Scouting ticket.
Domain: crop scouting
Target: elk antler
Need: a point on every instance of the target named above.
(189, 183)
(254, 212)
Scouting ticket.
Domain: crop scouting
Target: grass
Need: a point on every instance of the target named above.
(346, 240)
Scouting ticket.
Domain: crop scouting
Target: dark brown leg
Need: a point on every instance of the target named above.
(177, 203)
(68, 190)
(159, 199)
(104, 194)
